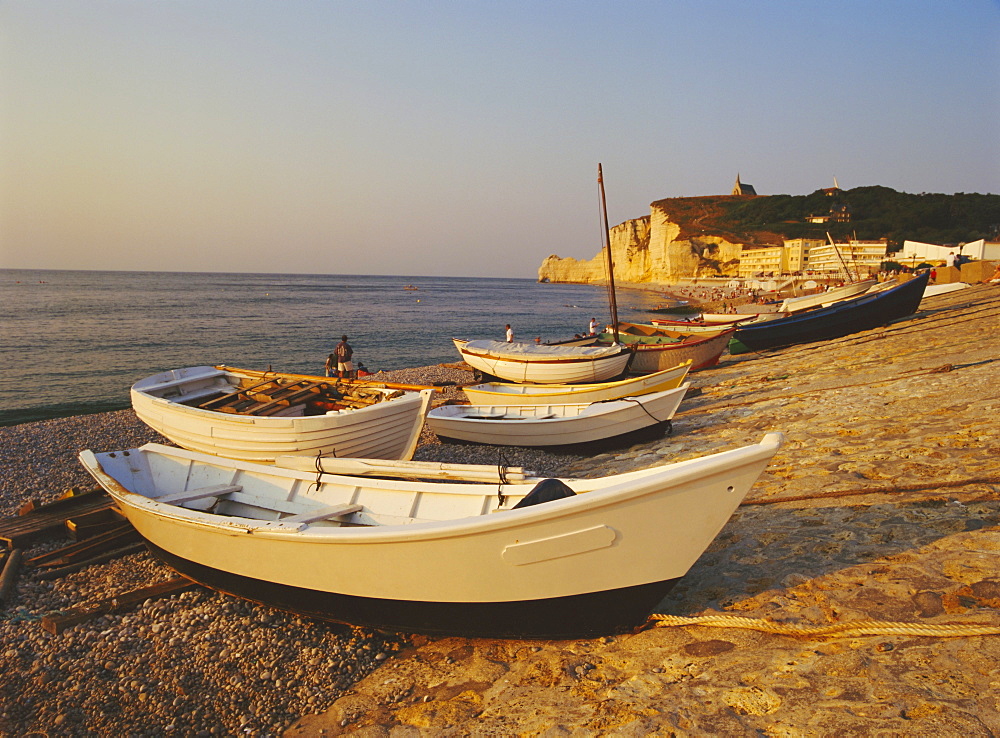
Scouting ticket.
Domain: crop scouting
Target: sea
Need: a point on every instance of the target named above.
(73, 342)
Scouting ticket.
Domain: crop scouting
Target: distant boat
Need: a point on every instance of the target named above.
(796, 304)
(851, 315)
(257, 416)
(544, 363)
(410, 287)
(444, 558)
(504, 393)
(555, 425)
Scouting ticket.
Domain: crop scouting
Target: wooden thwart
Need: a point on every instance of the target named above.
(179, 498)
(323, 513)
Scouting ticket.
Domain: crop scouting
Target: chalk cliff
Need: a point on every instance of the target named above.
(653, 249)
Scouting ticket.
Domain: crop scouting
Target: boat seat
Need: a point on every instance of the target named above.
(196, 395)
(190, 495)
(182, 380)
(323, 513)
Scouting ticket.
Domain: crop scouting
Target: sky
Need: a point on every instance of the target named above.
(460, 138)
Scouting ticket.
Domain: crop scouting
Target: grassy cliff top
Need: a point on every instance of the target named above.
(875, 212)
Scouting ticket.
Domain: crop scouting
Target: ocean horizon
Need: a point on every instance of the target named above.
(75, 341)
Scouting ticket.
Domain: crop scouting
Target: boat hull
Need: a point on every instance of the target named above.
(576, 616)
(387, 430)
(590, 563)
(529, 426)
(549, 370)
(839, 319)
(549, 394)
(702, 354)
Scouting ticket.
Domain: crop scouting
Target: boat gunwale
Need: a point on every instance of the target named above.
(665, 479)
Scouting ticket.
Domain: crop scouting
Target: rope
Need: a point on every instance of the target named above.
(637, 402)
(319, 469)
(857, 628)
(502, 474)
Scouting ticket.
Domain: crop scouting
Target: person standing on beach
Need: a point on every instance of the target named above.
(344, 352)
(510, 334)
(593, 326)
(331, 364)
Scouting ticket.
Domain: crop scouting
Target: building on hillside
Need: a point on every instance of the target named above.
(742, 189)
(832, 191)
(856, 258)
(767, 260)
(837, 214)
(914, 252)
(797, 253)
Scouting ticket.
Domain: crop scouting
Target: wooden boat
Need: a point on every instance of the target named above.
(545, 363)
(677, 332)
(721, 318)
(697, 327)
(258, 416)
(555, 425)
(797, 304)
(842, 318)
(500, 393)
(432, 557)
(657, 352)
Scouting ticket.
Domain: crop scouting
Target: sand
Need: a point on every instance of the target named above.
(883, 505)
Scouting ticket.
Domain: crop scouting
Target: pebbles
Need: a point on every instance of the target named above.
(200, 663)
(197, 663)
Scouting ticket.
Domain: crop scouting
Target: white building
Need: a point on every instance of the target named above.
(857, 258)
(916, 251)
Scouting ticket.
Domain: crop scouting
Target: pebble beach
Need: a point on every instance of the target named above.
(883, 505)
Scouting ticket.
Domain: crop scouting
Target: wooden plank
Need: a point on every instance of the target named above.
(179, 498)
(49, 520)
(323, 513)
(213, 404)
(57, 622)
(338, 382)
(122, 533)
(86, 525)
(404, 469)
(9, 574)
(276, 399)
(99, 559)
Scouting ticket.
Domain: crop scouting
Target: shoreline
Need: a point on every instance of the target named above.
(874, 416)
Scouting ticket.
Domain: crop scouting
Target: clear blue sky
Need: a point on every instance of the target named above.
(460, 138)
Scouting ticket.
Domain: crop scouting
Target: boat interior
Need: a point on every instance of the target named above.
(225, 392)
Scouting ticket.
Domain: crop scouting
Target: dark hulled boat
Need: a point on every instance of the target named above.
(842, 318)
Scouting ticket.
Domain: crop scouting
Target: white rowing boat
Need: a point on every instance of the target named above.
(432, 557)
(555, 425)
(258, 416)
(543, 363)
(500, 393)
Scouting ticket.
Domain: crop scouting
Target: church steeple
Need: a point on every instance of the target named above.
(742, 189)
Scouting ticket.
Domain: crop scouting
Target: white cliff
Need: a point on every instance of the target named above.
(649, 250)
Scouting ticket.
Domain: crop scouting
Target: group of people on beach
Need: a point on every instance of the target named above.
(341, 362)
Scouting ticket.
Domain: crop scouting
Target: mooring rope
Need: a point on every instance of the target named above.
(856, 628)
(319, 469)
(502, 476)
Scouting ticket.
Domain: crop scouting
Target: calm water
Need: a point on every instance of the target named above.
(74, 342)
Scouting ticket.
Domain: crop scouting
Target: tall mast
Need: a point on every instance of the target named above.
(607, 250)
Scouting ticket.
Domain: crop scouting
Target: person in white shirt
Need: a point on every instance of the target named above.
(593, 326)
(510, 334)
